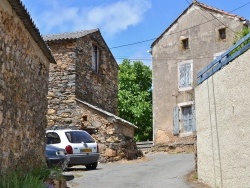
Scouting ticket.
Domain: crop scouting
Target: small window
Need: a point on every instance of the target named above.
(95, 58)
(222, 33)
(185, 43)
(52, 138)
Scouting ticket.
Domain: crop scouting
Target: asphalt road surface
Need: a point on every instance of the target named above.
(157, 170)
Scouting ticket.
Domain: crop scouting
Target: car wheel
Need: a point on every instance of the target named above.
(91, 166)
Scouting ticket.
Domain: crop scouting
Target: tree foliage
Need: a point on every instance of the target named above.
(135, 97)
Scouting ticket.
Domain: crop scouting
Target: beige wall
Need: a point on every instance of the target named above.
(223, 126)
(167, 54)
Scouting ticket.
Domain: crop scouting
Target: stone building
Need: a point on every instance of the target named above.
(183, 49)
(24, 73)
(222, 111)
(83, 91)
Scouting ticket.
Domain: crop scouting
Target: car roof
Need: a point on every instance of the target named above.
(64, 130)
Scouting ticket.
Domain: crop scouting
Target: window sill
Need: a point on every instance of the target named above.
(185, 88)
(186, 134)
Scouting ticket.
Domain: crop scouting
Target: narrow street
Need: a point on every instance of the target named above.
(155, 171)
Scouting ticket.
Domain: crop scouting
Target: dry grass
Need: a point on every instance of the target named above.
(192, 179)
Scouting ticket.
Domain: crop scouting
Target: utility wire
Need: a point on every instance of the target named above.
(139, 42)
(207, 55)
(217, 19)
(205, 11)
(133, 43)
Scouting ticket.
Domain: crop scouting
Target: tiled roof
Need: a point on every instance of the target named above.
(23, 14)
(220, 11)
(69, 35)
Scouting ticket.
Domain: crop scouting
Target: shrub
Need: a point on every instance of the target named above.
(36, 178)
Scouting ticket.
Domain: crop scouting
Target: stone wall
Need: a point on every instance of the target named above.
(222, 106)
(114, 136)
(61, 95)
(72, 77)
(23, 92)
(99, 89)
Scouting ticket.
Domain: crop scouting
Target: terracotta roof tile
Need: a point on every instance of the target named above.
(219, 11)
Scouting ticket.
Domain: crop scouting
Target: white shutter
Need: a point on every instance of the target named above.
(182, 74)
(188, 74)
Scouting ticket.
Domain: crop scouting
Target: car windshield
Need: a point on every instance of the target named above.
(79, 137)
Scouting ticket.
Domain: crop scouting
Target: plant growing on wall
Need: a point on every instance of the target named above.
(239, 35)
(135, 97)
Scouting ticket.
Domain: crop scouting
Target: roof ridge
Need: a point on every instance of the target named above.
(69, 35)
(72, 32)
(218, 10)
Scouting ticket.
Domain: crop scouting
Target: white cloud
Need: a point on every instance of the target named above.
(110, 18)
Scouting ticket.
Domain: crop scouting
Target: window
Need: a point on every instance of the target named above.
(95, 58)
(52, 138)
(222, 33)
(185, 75)
(185, 43)
(79, 137)
(184, 118)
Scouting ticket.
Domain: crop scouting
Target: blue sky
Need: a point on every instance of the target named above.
(121, 22)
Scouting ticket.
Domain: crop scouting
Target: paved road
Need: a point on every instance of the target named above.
(158, 170)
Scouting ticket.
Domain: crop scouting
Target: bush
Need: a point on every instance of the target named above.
(21, 180)
(36, 178)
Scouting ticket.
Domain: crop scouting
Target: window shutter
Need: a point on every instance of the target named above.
(188, 74)
(182, 70)
(194, 118)
(176, 128)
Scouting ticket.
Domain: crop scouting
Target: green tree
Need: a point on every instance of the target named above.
(135, 97)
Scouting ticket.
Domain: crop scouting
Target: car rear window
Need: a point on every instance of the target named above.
(52, 138)
(79, 137)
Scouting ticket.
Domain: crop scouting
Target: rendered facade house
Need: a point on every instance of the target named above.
(83, 92)
(24, 73)
(193, 40)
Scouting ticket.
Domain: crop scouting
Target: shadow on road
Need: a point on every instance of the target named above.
(71, 169)
(69, 177)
